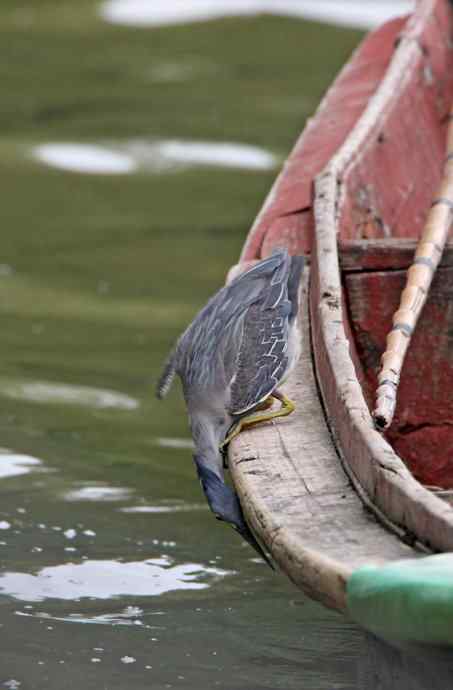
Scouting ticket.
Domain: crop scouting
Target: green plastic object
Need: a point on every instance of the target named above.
(408, 601)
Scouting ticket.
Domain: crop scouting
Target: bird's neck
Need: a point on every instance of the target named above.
(207, 437)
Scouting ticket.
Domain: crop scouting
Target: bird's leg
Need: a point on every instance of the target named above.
(287, 405)
(265, 405)
(261, 415)
(237, 427)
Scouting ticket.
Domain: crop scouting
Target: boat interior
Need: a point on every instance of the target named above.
(386, 194)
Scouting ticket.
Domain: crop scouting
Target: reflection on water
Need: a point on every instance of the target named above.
(178, 508)
(152, 157)
(14, 464)
(98, 493)
(181, 443)
(47, 392)
(99, 275)
(85, 158)
(355, 13)
(130, 615)
(108, 579)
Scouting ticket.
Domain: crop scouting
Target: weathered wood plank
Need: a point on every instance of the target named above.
(388, 185)
(297, 497)
(283, 216)
(422, 430)
(389, 254)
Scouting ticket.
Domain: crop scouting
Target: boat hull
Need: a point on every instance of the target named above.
(324, 491)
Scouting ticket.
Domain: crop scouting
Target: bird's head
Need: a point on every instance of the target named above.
(221, 498)
(225, 505)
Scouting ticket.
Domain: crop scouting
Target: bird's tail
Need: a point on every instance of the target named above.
(167, 376)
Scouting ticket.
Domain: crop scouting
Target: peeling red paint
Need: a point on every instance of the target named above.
(323, 135)
(388, 188)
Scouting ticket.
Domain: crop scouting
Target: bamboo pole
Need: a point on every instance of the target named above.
(419, 277)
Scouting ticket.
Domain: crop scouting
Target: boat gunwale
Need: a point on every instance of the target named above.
(379, 474)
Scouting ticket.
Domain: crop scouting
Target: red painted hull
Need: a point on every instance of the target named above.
(375, 152)
(287, 215)
(388, 192)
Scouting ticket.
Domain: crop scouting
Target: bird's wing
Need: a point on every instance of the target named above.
(263, 358)
(295, 273)
(223, 312)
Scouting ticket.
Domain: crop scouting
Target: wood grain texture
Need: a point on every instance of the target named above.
(297, 497)
(418, 282)
(387, 254)
(389, 181)
(422, 430)
(371, 461)
(286, 215)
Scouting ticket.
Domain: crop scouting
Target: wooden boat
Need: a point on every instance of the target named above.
(351, 514)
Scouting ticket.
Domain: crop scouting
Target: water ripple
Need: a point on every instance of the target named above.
(130, 616)
(15, 464)
(177, 443)
(173, 508)
(152, 156)
(98, 493)
(85, 158)
(49, 392)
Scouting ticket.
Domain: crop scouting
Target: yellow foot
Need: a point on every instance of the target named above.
(259, 415)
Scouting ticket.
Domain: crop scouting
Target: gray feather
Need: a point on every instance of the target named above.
(203, 348)
(263, 360)
(297, 266)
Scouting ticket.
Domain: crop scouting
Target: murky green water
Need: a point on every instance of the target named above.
(113, 573)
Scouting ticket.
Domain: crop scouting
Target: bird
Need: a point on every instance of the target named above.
(231, 361)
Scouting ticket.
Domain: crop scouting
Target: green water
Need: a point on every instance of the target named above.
(98, 276)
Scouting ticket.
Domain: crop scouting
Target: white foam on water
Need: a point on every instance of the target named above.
(47, 392)
(352, 13)
(98, 493)
(84, 158)
(106, 579)
(15, 464)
